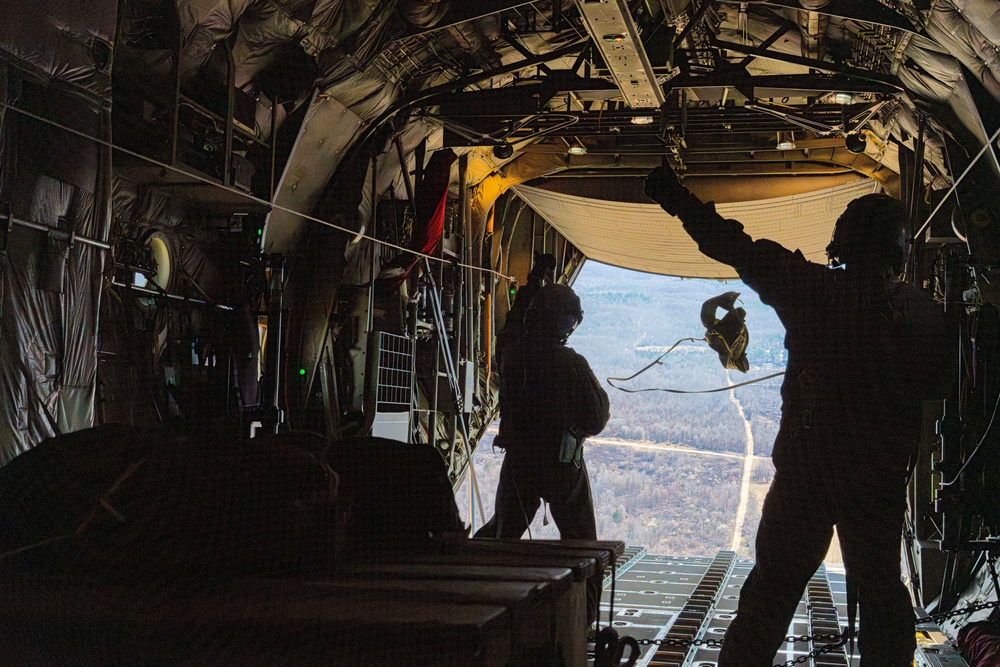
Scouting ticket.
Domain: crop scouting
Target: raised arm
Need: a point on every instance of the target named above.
(779, 275)
(719, 238)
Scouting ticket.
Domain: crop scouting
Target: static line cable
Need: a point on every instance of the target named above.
(240, 193)
(989, 144)
(657, 362)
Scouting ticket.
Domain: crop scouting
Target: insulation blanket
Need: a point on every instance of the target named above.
(948, 27)
(48, 337)
(658, 244)
(68, 42)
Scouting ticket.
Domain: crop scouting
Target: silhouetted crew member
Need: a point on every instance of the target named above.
(550, 402)
(863, 352)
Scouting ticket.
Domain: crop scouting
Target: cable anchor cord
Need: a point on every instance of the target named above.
(656, 362)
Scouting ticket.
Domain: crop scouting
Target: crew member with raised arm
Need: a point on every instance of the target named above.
(864, 351)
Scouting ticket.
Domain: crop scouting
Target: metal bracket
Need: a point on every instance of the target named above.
(613, 31)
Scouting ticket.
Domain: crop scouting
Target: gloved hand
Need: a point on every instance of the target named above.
(544, 266)
(663, 187)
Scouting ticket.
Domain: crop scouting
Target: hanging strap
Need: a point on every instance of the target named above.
(611, 381)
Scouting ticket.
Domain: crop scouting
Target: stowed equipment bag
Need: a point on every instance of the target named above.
(266, 506)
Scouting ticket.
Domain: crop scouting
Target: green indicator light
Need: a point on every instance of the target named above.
(260, 232)
(302, 371)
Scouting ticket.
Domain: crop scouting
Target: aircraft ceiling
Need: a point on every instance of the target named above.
(846, 85)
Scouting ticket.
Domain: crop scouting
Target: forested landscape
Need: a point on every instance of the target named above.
(633, 318)
(668, 501)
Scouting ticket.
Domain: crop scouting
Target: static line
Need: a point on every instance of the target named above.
(239, 193)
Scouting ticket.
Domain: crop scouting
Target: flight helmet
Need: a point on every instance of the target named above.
(870, 231)
(556, 305)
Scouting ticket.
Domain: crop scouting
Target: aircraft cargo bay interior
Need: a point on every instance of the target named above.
(337, 332)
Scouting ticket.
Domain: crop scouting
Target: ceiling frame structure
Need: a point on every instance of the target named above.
(737, 85)
(865, 11)
(702, 106)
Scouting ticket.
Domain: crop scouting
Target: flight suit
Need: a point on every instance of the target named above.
(863, 353)
(548, 393)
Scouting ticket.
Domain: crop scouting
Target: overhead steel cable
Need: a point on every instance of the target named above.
(245, 195)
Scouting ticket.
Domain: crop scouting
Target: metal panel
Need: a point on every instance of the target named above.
(468, 378)
(933, 648)
(615, 34)
(394, 387)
